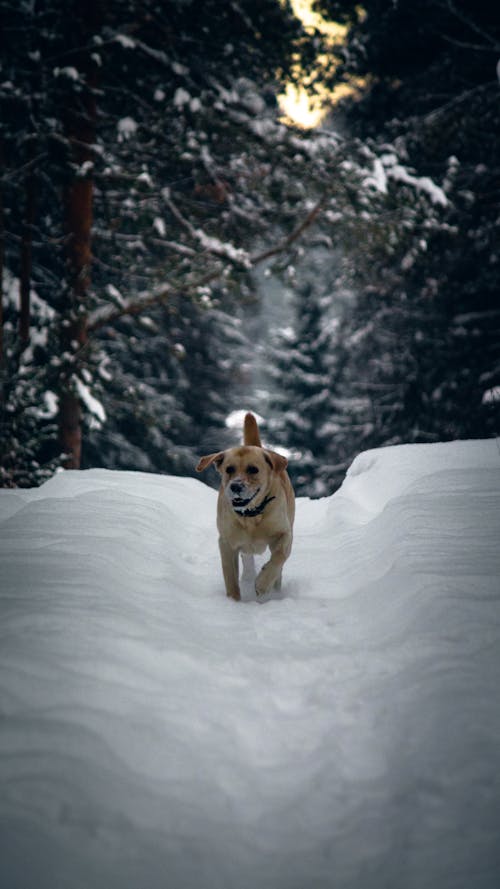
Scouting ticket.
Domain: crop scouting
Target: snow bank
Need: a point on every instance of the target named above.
(344, 736)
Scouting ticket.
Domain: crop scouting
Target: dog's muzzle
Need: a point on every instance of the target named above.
(238, 494)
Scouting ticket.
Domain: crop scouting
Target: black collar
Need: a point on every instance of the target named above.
(250, 513)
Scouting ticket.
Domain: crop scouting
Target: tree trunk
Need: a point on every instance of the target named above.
(79, 121)
(74, 336)
(2, 249)
(26, 262)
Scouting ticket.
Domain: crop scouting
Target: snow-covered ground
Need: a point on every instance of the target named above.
(156, 735)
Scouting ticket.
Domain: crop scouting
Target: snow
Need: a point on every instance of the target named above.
(159, 226)
(93, 406)
(69, 71)
(342, 735)
(491, 396)
(235, 420)
(181, 97)
(220, 248)
(180, 70)
(125, 41)
(145, 178)
(127, 127)
(386, 168)
(11, 286)
(85, 169)
(195, 105)
(114, 293)
(379, 176)
(420, 183)
(51, 406)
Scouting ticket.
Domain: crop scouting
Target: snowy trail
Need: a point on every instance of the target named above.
(346, 734)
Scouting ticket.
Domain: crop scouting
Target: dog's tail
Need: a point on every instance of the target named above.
(251, 431)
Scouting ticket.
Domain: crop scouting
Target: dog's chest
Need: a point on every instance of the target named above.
(249, 539)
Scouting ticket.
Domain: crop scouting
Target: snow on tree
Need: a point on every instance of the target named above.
(146, 173)
(130, 179)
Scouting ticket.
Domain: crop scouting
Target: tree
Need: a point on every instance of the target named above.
(146, 173)
(305, 361)
(79, 117)
(131, 124)
(423, 328)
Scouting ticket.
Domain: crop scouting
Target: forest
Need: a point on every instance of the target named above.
(151, 184)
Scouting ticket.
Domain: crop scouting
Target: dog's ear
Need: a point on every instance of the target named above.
(276, 461)
(209, 459)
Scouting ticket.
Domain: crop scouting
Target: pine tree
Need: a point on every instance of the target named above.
(423, 331)
(304, 368)
(135, 174)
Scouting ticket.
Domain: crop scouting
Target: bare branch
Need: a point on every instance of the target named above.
(473, 25)
(289, 240)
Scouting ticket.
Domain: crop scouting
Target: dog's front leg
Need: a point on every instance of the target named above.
(270, 574)
(229, 559)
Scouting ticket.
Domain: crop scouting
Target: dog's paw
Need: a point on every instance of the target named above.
(264, 582)
(234, 594)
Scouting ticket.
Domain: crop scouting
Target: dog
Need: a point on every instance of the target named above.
(255, 509)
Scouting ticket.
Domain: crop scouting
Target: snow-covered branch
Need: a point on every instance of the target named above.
(293, 236)
(103, 315)
(208, 243)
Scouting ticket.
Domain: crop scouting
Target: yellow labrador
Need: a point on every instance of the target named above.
(255, 509)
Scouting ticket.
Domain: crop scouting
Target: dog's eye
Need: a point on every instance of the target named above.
(229, 470)
(252, 470)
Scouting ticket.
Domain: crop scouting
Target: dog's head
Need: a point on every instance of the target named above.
(246, 474)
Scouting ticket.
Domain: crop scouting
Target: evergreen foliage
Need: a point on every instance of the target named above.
(305, 362)
(145, 173)
(420, 334)
(135, 175)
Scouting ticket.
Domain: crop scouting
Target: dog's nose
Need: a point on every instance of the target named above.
(236, 487)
